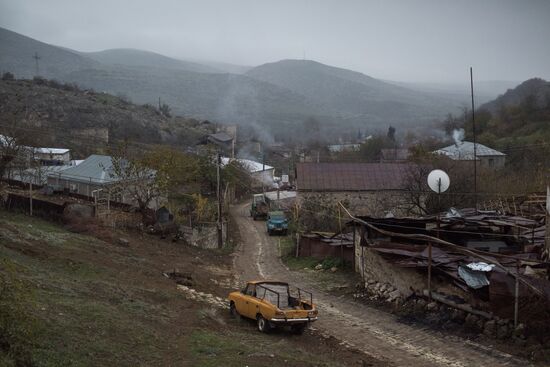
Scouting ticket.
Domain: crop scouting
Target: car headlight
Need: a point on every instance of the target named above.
(312, 313)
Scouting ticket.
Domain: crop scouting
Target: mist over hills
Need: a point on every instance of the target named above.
(133, 57)
(352, 94)
(273, 98)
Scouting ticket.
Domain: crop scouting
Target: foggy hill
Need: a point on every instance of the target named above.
(517, 122)
(351, 93)
(484, 90)
(70, 117)
(227, 98)
(133, 57)
(17, 51)
(275, 97)
(538, 89)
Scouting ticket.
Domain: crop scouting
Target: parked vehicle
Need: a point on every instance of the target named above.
(271, 304)
(277, 222)
(259, 207)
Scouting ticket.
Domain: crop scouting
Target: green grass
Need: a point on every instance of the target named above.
(236, 348)
(87, 315)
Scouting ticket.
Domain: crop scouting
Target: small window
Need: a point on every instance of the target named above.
(491, 162)
(250, 290)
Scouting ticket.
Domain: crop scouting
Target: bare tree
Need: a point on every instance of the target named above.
(135, 179)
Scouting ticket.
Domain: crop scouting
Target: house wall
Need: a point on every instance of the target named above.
(373, 267)
(86, 189)
(364, 203)
(262, 178)
(313, 247)
(494, 162)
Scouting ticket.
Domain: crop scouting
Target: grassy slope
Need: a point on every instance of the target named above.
(101, 304)
(90, 311)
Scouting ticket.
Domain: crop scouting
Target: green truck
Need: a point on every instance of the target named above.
(259, 207)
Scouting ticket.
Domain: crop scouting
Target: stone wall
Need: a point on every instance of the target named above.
(362, 203)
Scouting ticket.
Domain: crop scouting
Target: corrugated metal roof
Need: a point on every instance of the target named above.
(465, 151)
(248, 164)
(96, 169)
(51, 150)
(352, 176)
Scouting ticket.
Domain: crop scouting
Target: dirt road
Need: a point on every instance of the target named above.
(371, 331)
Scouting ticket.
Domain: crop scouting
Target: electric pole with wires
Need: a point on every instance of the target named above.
(219, 191)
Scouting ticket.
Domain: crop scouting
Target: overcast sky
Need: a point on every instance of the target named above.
(407, 40)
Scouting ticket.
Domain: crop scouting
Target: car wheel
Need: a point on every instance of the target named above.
(263, 324)
(298, 329)
(233, 310)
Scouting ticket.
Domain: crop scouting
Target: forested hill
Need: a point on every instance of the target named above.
(518, 122)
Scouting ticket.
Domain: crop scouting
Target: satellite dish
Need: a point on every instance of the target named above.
(438, 181)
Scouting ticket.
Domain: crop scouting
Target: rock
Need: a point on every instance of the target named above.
(371, 281)
(458, 316)
(318, 267)
(502, 322)
(471, 320)
(334, 269)
(520, 330)
(489, 328)
(383, 288)
(394, 295)
(432, 306)
(502, 331)
(123, 242)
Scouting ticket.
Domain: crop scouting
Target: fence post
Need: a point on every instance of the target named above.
(430, 269)
(516, 298)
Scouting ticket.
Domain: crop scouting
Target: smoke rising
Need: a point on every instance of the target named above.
(458, 136)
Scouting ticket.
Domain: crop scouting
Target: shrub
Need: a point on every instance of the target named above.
(8, 76)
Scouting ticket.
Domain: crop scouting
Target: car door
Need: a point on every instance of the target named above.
(246, 301)
(254, 303)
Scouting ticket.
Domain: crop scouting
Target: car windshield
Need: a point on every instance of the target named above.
(277, 216)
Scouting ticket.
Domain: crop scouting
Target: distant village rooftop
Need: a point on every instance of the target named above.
(465, 151)
(352, 176)
(248, 164)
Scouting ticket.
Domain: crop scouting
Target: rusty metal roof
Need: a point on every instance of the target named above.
(352, 176)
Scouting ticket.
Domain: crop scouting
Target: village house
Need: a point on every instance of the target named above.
(376, 189)
(52, 156)
(394, 155)
(261, 174)
(93, 179)
(464, 151)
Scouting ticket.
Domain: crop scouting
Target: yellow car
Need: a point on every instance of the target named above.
(271, 304)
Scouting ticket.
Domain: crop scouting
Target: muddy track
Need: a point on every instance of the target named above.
(371, 331)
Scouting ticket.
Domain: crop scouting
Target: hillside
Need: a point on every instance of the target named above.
(80, 296)
(17, 51)
(132, 57)
(87, 121)
(349, 92)
(518, 123)
(274, 98)
(536, 89)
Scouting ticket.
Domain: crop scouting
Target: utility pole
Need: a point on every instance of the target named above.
(474, 133)
(546, 251)
(36, 58)
(220, 223)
